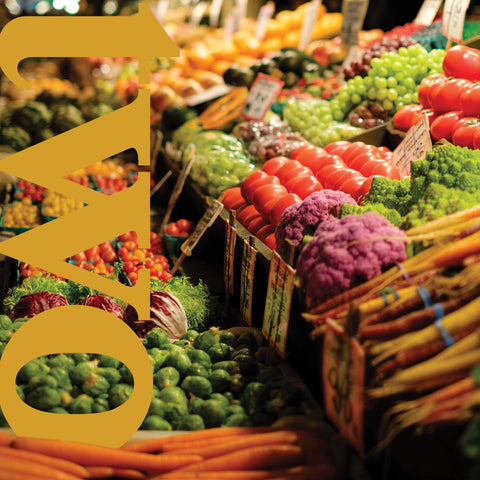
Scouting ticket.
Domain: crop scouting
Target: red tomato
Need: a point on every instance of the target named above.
(470, 101)
(402, 120)
(248, 214)
(281, 205)
(425, 88)
(338, 178)
(476, 140)
(353, 185)
(171, 230)
(335, 145)
(373, 167)
(272, 166)
(303, 186)
(249, 192)
(256, 224)
(123, 253)
(265, 231)
(109, 256)
(291, 170)
(361, 160)
(430, 114)
(233, 198)
(129, 267)
(462, 122)
(92, 252)
(313, 159)
(300, 150)
(442, 126)
(365, 188)
(270, 241)
(447, 99)
(356, 148)
(184, 225)
(250, 179)
(326, 175)
(133, 276)
(184, 234)
(464, 134)
(264, 195)
(79, 257)
(462, 62)
(149, 263)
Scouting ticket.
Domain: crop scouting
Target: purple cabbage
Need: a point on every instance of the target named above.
(30, 305)
(103, 302)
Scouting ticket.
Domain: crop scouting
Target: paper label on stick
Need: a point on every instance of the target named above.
(263, 92)
(229, 257)
(207, 95)
(264, 15)
(453, 19)
(308, 24)
(427, 12)
(197, 13)
(278, 302)
(246, 281)
(206, 221)
(415, 145)
(161, 10)
(343, 375)
(353, 17)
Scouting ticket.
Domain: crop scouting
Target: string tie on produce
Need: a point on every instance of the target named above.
(447, 338)
(386, 291)
(438, 310)
(425, 295)
(405, 275)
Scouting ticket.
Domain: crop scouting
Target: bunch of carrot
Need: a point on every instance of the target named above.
(233, 453)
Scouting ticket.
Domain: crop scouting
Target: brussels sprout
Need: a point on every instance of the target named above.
(237, 420)
(154, 422)
(112, 375)
(173, 395)
(5, 321)
(82, 371)
(43, 380)
(157, 407)
(178, 360)
(174, 412)
(220, 398)
(57, 410)
(213, 413)
(5, 335)
(108, 362)
(95, 384)
(196, 369)
(119, 394)
(20, 392)
(126, 375)
(62, 377)
(191, 422)
(65, 398)
(195, 405)
(166, 377)
(157, 338)
(43, 398)
(31, 369)
(80, 357)
(61, 361)
(100, 405)
(158, 356)
(82, 404)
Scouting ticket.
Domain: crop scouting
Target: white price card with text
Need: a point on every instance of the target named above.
(415, 145)
(453, 19)
(264, 15)
(278, 302)
(229, 257)
(308, 24)
(263, 92)
(246, 279)
(428, 12)
(353, 16)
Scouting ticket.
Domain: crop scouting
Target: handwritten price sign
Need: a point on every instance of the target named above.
(454, 18)
(353, 16)
(246, 279)
(261, 96)
(427, 12)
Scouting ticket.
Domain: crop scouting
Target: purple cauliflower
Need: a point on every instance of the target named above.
(328, 265)
(315, 209)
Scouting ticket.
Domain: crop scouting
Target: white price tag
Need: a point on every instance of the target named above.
(415, 145)
(261, 96)
(197, 13)
(308, 23)
(246, 280)
(454, 18)
(208, 94)
(264, 15)
(242, 11)
(427, 12)
(277, 306)
(353, 16)
(215, 9)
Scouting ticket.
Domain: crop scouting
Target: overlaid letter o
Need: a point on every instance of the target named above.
(76, 329)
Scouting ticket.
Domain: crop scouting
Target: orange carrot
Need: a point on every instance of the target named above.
(282, 437)
(92, 455)
(263, 458)
(157, 444)
(6, 439)
(207, 442)
(6, 474)
(128, 473)
(58, 463)
(221, 475)
(30, 467)
(99, 472)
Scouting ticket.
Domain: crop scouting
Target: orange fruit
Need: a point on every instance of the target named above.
(225, 50)
(292, 38)
(200, 57)
(271, 44)
(274, 28)
(219, 66)
(246, 43)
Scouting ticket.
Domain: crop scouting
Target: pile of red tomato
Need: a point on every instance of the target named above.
(109, 185)
(180, 228)
(135, 258)
(98, 259)
(26, 189)
(451, 101)
(265, 194)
